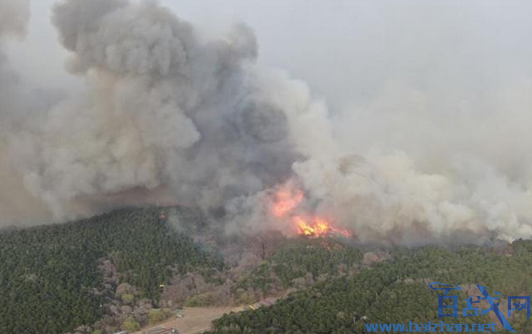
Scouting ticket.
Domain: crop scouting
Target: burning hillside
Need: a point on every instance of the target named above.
(287, 205)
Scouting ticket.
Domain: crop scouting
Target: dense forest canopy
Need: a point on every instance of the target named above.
(395, 291)
(49, 276)
(103, 271)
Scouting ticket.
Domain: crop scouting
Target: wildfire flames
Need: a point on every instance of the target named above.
(286, 200)
(286, 204)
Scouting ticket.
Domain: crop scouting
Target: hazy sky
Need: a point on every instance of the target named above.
(346, 50)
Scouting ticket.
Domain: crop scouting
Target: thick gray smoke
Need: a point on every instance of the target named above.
(162, 109)
(168, 116)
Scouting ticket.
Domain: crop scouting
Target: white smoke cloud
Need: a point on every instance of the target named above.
(385, 197)
(17, 204)
(170, 116)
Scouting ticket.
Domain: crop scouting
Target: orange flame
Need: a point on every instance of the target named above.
(316, 227)
(287, 199)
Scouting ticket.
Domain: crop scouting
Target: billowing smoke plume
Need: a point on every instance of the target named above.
(162, 109)
(170, 116)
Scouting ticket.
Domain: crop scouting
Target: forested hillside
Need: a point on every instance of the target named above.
(52, 277)
(300, 263)
(106, 272)
(395, 291)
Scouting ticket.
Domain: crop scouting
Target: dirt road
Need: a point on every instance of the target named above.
(195, 319)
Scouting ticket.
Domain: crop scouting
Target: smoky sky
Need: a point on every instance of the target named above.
(403, 120)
